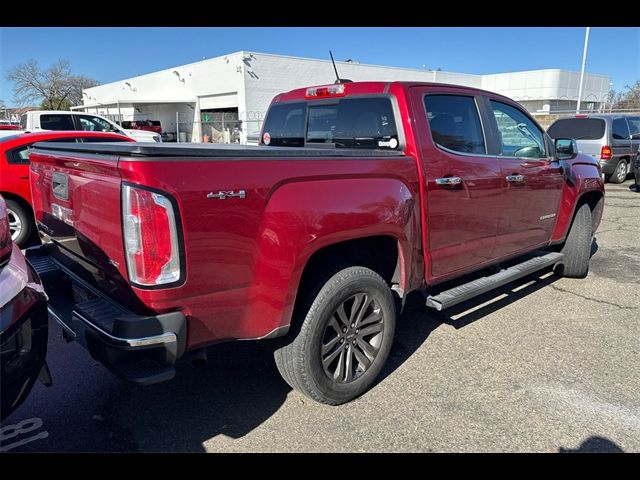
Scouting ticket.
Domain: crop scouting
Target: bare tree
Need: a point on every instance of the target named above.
(56, 88)
(79, 83)
(629, 99)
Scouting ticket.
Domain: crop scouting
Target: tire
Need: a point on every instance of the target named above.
(330, 335)
(577, 247)
(20, 222)
(619, 175)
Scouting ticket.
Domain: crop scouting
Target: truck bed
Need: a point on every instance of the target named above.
(242, 255)
(212, 151)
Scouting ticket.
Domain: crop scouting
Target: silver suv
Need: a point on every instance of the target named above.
(613, 139)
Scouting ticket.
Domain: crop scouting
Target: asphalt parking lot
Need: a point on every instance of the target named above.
(545, 365)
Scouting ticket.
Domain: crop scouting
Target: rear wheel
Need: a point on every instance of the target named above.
(577, 247)
(20, 223)
(620, 173)
(344, 340)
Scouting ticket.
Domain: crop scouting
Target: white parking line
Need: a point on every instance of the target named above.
(582, 404)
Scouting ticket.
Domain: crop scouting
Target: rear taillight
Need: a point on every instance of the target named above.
(605, 153)
(5, 232)
(150, 237)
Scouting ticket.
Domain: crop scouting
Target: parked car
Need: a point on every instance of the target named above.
(23, 323)
(612, 139)
(390, 187)
(45, 120)
(8, 125)
(148, 125)
(14, 174)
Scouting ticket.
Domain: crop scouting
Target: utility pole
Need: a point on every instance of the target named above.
(584, 61)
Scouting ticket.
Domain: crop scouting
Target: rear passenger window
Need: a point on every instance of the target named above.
(634, 127)
(19, 156)
(56, 122)
(619, 129)
(455, 123)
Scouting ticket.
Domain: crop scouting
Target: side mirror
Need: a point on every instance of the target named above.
(566, 148)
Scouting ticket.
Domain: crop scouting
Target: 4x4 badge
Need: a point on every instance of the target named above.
(224, 194)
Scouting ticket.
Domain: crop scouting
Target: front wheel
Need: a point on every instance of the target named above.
(577, 247)
(344, 340)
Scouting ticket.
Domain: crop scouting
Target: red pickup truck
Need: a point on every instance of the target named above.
(358, 194)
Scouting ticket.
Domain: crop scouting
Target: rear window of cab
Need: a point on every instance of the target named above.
(366, 123)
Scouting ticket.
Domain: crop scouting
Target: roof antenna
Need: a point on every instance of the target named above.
(338, 79)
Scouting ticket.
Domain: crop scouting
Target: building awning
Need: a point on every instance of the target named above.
(131, 102)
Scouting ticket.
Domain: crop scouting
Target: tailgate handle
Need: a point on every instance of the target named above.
(60, 185)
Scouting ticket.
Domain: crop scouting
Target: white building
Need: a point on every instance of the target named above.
(205, 100)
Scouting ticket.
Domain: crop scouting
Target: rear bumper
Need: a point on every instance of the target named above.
(608, 166)
(142, 349)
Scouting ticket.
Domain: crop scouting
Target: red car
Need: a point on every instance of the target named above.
(359, 194)
(4, 125)
(148, 125)
(14, 173)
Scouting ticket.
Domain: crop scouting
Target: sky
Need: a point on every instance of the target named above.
(109, 54)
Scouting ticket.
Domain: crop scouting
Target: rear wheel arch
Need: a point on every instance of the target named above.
(18, 199)
(382, 254)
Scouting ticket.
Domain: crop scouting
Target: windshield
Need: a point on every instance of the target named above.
(366, 123)
(578, 128)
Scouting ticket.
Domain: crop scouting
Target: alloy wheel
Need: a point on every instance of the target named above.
(621, 173)
(352, 338)
(15, 224)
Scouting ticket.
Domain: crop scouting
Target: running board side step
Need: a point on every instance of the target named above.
(459, 294)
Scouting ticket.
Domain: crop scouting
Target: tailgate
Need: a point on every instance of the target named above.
(590, 147)
(76, 201)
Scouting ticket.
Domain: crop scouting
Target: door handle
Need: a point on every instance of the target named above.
(515, 178)
(448, 181)
(534, 163)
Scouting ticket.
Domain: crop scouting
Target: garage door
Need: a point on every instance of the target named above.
(224, 100)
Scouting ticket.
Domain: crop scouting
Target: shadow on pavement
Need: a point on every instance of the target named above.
(594, 444)
(418, 321)
(236, 391)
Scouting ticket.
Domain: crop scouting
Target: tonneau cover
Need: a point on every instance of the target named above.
(200, 150)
